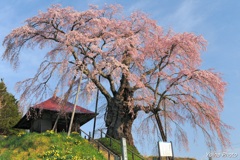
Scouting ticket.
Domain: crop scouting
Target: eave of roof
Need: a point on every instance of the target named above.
(56, 104)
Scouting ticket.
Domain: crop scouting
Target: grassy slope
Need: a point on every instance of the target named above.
(33, 146)
(116, 147)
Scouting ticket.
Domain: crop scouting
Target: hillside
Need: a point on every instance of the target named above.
(33, 146)
(51, 146)
(116, 147)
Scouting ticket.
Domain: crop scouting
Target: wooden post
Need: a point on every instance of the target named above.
(89, 136)
(75, 103)
(96, 107)
(56, 121)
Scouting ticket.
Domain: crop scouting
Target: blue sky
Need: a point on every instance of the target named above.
(217, 20)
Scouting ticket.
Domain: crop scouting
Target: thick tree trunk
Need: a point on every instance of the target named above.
(119, 121)
(119, 116)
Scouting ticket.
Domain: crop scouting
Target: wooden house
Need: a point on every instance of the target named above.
(42, 117)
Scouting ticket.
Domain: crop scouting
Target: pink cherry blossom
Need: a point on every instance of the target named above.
(142, 68)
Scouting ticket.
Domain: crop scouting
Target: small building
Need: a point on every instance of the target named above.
(42, 117)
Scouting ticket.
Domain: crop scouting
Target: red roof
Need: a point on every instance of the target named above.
(54, 104)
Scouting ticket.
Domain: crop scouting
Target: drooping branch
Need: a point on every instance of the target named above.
(142, 65)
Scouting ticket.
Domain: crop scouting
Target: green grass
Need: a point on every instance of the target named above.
(116, 148)
(49, 145)
(57, 146)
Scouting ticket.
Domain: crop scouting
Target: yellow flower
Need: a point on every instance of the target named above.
(75, 133)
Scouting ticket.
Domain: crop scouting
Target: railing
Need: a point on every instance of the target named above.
(111, 140)
(89, 138)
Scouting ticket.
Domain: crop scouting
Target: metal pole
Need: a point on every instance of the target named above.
(75, 103)
(124, 149)
(165, 119)
(96, 106)
(172, 150)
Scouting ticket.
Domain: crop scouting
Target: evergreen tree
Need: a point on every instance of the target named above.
(9, 114)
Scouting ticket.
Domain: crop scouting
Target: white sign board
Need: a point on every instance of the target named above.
(165, 149)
